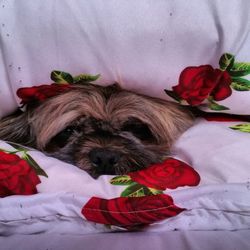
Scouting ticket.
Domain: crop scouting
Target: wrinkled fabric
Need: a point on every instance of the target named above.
(219, 202)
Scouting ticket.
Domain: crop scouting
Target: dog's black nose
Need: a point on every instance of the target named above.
(104, 160)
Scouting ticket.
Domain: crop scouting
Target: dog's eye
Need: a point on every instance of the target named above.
(62, 137)
(138, 129)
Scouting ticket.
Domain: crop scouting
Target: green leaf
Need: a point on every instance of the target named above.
(121, 180)
(215, 106)
(61, 77)
(28, 158)
(33, 163)
(226, 61)
(240, 69)
(9, 151)
(242, 127)
(18, 146)
(85, 78)
(155, 191)
(241, 80)
(173, 95)
(147, 191)
(240, 86)
(134, 190)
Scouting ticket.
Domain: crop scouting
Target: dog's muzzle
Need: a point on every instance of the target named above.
(104, 160)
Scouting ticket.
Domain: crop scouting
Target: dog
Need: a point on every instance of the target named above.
(102, 130)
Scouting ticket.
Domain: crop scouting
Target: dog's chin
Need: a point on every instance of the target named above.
(130, 161)
(122, 168)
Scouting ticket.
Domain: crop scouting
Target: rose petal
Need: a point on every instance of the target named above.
(16, 176)
(171, 173)
(130, 212)
(197, 83)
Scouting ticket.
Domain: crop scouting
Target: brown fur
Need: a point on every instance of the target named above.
(100, 117)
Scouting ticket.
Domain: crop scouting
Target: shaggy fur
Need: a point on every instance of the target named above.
(89, 122)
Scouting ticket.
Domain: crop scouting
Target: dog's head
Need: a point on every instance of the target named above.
(103, 130)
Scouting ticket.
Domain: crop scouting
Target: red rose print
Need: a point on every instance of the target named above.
(171, 174)
(42, 92)
(16, 176)
(130, 212)
(198, 83)
(222, 90)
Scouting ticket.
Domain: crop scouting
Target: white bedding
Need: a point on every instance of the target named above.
(220, 202)
(144, 45)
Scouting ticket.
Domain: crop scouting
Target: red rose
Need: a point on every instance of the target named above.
(41, 93)
(198, 83)
(130, 212)
(16, 176)
(171, 174)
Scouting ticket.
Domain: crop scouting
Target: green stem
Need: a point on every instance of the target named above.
(24, 154)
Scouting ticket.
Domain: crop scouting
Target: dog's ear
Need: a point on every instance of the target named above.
(16, 128)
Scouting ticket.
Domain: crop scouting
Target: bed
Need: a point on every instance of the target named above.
(199, 197)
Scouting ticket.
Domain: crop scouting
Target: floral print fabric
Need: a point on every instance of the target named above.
(203, 86)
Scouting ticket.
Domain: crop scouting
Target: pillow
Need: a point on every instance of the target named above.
(149, 47)
(143, 45)
(148, 196)
(134, 204)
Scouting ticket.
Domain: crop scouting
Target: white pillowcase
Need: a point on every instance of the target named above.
(144, 45)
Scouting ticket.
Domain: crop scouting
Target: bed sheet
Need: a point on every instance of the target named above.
(220, 201)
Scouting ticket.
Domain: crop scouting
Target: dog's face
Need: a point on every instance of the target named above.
(103, 130)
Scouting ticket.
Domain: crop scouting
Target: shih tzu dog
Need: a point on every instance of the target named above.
(102, 130)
